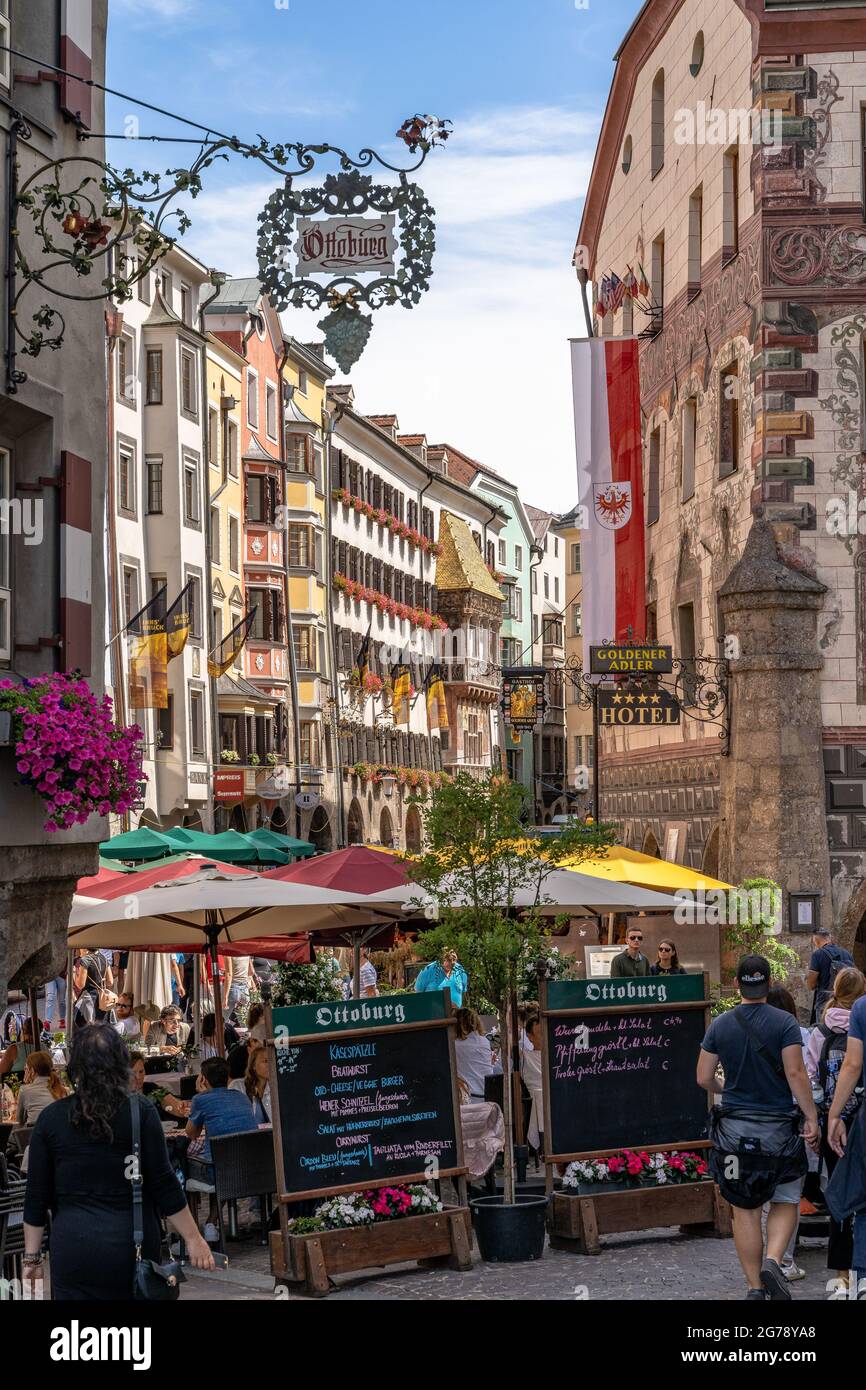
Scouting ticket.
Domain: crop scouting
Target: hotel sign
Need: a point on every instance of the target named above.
(627, 659)
(628, 709)
(353, 244)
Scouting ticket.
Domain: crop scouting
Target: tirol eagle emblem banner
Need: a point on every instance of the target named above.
(612, 504)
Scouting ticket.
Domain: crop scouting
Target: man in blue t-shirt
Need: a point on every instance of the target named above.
(217, 1110)
(851, 1074)
(761, 1053)
(827, 960)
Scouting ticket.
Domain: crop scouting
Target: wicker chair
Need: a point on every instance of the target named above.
(244, 1167)
(12, 1190)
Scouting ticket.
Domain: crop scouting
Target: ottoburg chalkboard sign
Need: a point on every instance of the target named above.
(365, 1094)
(619, 1066)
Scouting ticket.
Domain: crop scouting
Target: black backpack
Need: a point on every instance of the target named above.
(829, 1066)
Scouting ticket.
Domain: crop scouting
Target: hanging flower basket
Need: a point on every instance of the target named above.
(70, 751)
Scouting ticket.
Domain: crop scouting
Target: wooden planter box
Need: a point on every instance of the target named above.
(312, 1260)
(576, 1222)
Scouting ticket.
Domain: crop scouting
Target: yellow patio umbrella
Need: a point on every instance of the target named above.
(623, 865)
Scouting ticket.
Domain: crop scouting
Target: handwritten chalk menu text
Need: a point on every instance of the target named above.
(620, 1076)
(369, 1107)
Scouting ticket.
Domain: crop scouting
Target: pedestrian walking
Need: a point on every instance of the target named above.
(847, 1137)
(826, 962)
(79, 1171)
(758, 1152)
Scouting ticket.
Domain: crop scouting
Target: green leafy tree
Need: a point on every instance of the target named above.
(488, 879)
(757, 906)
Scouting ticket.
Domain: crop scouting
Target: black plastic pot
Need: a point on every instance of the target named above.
(510, 1234)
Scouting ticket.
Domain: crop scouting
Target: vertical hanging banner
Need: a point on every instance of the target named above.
(76, 57)
(608, 443)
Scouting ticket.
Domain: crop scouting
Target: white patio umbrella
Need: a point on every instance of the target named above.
(568, 890)
(211, 903)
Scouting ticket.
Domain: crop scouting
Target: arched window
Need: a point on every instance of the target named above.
(627, 149)
(697, 54)
(356, 823)
(658, 123)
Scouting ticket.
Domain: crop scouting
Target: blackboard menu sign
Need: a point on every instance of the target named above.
(364, 1103)
(619, 1066)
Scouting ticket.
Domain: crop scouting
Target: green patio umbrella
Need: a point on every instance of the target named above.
(140, 844)
(230, 847)
(295, 849)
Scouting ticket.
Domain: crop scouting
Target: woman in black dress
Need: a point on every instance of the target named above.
(79, 1171)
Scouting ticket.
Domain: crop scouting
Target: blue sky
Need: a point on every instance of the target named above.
(483, 361)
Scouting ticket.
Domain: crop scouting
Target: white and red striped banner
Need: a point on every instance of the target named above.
(607, 434)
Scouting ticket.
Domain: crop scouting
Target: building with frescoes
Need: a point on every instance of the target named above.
(730, 170)
(411, 591)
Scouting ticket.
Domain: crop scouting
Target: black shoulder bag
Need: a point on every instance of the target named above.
(151, 1282)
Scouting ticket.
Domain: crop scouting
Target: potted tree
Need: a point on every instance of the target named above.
(478, 865)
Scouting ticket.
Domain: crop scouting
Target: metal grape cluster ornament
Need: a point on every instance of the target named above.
(384, 232)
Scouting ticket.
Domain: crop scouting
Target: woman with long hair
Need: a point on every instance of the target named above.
(80, 1172)
(257, 1085)
(667, 961)
(41, 1087)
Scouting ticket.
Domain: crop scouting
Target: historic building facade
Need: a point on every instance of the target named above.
(52, 460)
(156, 524)
(730, 169)
(579, 751)
(411, 589)
(509, 557)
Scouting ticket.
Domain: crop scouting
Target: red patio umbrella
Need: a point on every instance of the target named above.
(357, 869)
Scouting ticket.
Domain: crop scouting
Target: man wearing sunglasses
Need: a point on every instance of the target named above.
(631, 961)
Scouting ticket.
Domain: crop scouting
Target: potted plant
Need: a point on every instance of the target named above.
(477, 863)
(69, 749)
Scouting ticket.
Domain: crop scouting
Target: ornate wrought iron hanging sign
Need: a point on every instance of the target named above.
(637, 708)
(524, 703)
(344, 244)
(82, 230)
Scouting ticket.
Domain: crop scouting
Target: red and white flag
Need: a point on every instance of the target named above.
(76, 58)
(607, 433)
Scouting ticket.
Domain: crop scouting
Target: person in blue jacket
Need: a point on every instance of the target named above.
(445, 974)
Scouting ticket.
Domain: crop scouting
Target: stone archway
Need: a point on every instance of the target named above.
(356, 823)
(852, 926)
(386, 829)
(238, 820)
(413, 830)
(279, 824)
(320, 831)
(651, 845)
(710, 861)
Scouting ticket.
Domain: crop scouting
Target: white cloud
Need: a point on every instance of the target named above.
(483, 360)
(146, 10)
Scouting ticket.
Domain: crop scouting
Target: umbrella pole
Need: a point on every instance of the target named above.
(35, 1031)
(70, 995)
(213, 932)
(356, 965)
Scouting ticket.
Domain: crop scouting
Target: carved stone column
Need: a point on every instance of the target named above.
(773, 821)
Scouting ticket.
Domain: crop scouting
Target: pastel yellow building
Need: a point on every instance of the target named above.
(305, 376)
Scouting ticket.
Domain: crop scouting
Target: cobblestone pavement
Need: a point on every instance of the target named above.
(646, 1266)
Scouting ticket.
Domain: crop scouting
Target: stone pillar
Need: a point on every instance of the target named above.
(773, 821)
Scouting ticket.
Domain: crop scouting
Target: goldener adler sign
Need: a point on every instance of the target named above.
(345, 243)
